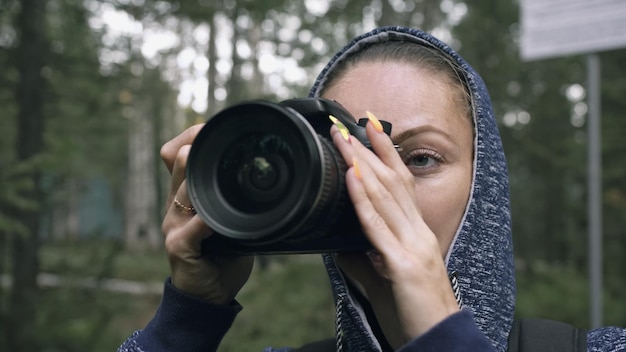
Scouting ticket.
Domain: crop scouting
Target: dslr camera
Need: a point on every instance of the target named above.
(267, 179)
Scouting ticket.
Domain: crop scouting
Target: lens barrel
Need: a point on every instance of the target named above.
(258, 173)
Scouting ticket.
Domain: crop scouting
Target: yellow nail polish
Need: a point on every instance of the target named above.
(357, 169)
(345, 133)
(375, 122)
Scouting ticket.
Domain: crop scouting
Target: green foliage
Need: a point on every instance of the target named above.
(15, 180)
(72, 319)
(86, 133)
(101, 258)
(562, 293)
(552, 292)
(288, 303)
(614, 159)
(76, 316)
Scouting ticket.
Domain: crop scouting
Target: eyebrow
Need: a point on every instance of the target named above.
(420, 129)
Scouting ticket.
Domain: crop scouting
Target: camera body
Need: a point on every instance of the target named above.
(267, 179)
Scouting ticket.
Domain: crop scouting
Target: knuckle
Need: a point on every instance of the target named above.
(378, 223)
(182, 155)
(171, 148)
(375, 223)
(406, 177)
(403, 264)
(174, 245)
(384, 195)
(167, 151)
(390, 177)
(195, 129)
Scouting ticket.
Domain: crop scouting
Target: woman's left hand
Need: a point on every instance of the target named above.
(404, 278)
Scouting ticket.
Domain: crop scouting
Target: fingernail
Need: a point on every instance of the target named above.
(357, 169)
(375, 122)
(345, 133)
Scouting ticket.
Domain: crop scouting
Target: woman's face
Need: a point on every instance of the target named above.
(435, 136)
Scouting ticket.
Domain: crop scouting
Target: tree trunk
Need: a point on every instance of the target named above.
(65, 221)
(212, 72)
(142, 229)
(21, 329)
(388, 16)
(255, 84)
(236, 86)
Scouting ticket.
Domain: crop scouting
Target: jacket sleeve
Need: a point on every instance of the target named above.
(457, 333)
(607, 339)
(183, 323)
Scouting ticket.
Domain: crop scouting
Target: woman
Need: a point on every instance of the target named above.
(436, 207)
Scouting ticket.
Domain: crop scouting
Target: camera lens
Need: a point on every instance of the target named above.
(258, 172)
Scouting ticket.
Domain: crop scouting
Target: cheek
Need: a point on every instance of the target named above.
(442, 209)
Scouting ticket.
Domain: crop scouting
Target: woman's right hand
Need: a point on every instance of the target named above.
(215, 279)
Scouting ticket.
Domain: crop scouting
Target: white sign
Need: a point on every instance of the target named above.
(552, 28)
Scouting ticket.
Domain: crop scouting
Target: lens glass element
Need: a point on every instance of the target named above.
(256, 172)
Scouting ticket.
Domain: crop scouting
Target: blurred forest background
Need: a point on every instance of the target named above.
(89, 90)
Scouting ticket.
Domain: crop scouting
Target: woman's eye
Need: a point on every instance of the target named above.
(423, 159)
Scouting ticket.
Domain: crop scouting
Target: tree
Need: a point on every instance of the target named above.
(151, 100)
(20, 330)
(86, 138)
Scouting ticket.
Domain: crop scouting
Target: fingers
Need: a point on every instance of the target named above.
(408, 258)
(375, 206)
(386, 164)
(212, 278)
(178, 170)
(180, 209)
(169, 150)
(174, 154)
(185, 242)
(390, 169)
(184, 231)
(384, 194)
